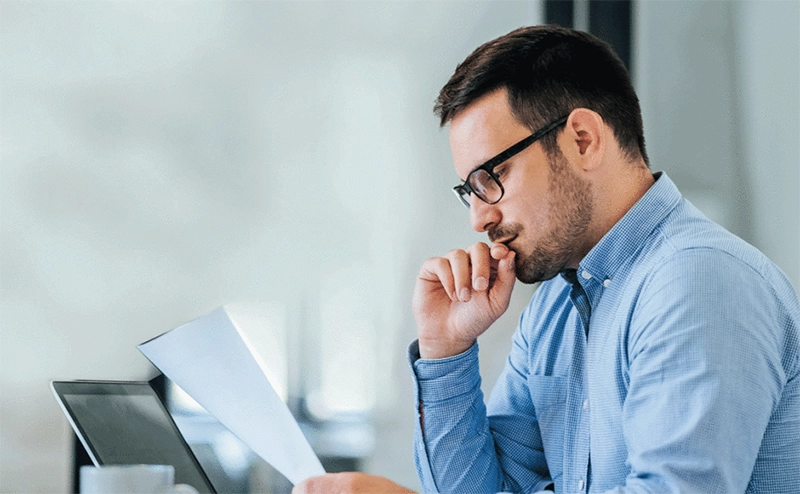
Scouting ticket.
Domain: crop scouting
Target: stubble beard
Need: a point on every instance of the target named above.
(569, 217)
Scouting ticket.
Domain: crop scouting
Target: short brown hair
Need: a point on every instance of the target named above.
(548, 72)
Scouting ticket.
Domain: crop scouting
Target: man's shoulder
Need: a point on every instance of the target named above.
(697, 268)
(691, 264)
(686, 237)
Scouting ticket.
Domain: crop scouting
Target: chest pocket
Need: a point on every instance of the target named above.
(549, 397)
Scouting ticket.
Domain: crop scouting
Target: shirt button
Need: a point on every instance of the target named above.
(585, 404)
(606, 282)
(580, 485)
(586, 275)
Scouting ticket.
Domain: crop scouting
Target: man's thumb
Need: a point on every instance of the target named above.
(504, 283)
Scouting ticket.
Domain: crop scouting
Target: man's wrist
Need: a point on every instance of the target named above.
(434, 350)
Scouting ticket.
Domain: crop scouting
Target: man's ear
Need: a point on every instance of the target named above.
(583, 141)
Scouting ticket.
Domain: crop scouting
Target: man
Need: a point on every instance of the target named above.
(660, 353)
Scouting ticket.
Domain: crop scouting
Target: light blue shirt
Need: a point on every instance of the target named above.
(667, 363)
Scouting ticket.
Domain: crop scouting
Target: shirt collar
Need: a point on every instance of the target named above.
(628, 235)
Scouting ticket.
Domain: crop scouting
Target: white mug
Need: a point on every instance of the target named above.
(130, 479)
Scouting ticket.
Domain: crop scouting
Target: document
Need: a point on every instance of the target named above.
(210, 360)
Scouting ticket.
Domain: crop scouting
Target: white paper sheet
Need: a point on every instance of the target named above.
(208, 358)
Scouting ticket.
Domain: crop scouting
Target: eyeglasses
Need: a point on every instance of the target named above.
(484, 183)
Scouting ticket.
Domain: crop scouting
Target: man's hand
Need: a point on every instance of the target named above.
(459, 296)
(349, 482)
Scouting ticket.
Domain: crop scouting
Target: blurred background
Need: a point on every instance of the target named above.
(162, 159)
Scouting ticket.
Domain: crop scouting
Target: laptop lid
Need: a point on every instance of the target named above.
(122, 422)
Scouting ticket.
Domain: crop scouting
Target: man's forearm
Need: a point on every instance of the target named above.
(454, 450)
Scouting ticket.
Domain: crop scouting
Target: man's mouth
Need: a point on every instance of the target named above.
(504, 234)
(506, 241)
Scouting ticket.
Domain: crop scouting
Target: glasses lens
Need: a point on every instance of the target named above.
(485, 186)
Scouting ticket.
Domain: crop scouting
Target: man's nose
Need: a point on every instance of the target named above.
(483, 216)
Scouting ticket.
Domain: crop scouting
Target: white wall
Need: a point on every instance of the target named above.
(161, 159)
(719, 84)
(768, 73)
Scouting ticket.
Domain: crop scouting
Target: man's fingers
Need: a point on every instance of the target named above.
(481, 266)
(499, 251)
(500, 293)
(302, 488)
(463, 272)
(437, 269)
(461, 268)
(349, 483)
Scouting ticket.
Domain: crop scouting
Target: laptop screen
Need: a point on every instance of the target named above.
(126, 423)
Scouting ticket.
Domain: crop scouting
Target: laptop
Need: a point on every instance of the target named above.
(123, 423)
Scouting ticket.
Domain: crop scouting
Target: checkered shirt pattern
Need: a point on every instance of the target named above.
(667, 362)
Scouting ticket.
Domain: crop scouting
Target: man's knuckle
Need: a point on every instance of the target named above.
(456, 253)
(442, 263)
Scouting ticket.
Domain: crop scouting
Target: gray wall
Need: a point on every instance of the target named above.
(161, 159)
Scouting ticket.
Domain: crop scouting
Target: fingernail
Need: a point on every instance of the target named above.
(481, 283)
(464, 295)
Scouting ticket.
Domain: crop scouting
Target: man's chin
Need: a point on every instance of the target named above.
(534, 274)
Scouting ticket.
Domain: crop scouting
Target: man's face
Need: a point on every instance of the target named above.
(545, 212)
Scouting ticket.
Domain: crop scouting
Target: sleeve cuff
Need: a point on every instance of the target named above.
(442, 379)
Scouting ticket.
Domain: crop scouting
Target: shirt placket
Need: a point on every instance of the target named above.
(577, 432)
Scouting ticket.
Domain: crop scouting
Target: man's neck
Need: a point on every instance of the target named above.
(613, 199)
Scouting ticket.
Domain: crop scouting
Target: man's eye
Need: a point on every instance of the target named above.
(500, 171)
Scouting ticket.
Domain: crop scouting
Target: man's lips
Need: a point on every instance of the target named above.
(505, 241)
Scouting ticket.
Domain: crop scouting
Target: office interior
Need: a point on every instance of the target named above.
(281, 159)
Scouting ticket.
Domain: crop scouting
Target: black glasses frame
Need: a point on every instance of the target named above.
(463, 190)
